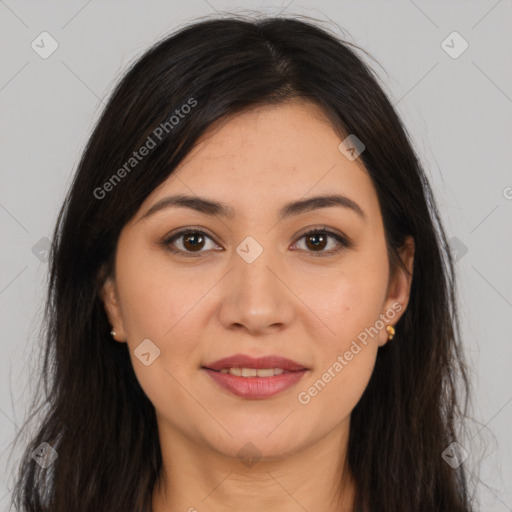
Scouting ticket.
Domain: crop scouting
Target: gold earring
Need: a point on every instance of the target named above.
(391, 331)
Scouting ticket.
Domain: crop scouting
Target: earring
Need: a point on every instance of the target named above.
(113, 334)
(391, 331)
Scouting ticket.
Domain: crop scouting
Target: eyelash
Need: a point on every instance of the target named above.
(343, 242)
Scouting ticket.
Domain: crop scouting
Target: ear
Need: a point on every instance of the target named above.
(399, 289)
(109, 296)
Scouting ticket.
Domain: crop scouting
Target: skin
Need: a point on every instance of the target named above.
(288, 302)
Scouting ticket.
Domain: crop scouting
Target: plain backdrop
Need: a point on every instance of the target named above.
(456, 107)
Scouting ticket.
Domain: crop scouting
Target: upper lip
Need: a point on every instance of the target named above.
(244, 361)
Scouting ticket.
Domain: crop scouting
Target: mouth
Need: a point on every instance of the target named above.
(255, 378)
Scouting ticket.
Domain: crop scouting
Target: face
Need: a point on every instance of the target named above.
(253, 282)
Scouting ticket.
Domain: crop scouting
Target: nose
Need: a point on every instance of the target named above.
(256, 297)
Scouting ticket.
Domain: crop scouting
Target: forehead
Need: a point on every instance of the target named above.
(269, 155)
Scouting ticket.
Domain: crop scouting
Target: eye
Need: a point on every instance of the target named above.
(317, 239)
(191, 241)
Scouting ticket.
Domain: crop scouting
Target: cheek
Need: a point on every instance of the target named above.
(157, 304)
(351, 299)
(347, 354)
(155, 295)
(349, 302)
(162, 303)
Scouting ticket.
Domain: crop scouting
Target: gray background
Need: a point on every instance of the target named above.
(456, 110)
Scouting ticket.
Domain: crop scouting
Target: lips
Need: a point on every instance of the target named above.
(244, 361)
(286, 374)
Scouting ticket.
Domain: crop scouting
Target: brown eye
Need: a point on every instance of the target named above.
(188, 242)
(317, 240)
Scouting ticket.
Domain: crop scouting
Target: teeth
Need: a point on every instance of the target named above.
(253, 372)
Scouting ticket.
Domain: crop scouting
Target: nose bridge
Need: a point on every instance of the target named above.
(256, 297)
(256, 270)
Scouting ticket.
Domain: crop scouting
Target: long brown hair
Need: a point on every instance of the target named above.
(96, 415)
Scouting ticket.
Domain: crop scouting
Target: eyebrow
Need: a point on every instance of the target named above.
(219, 209)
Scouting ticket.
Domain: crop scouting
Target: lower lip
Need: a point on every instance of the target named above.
(255, 387)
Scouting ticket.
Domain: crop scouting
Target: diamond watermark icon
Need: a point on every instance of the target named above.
(249, 249)
(454, 455)
(44, 455)
(454, 45)
(146, 352)
(249, 455)
(41, 249)
(351, 147)
(457, 248)
(44, 45)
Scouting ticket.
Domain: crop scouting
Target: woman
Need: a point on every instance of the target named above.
(251, 303)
